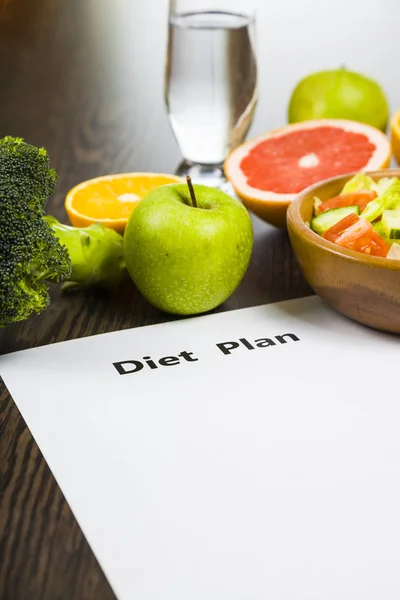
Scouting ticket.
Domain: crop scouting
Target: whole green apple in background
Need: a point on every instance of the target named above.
(188, 259)
(340, 94)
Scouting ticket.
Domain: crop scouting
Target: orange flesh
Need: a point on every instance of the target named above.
(105, 199)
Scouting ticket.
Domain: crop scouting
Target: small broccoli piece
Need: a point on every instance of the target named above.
(25, 172)
(36, 249)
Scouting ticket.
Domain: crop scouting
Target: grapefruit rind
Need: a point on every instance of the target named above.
(395, 136)
(271, 206)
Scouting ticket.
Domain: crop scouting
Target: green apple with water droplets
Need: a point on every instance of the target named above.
(187, 247)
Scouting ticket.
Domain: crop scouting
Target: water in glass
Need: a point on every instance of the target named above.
(211, 82)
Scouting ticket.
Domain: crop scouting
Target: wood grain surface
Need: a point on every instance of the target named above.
(73, 78)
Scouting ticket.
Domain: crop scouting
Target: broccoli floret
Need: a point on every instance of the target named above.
(30, 253)
(25, 172)
(36, 249)
(29, 250)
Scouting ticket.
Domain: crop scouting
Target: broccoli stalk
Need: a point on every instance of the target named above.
(95, 253)
(35, 248)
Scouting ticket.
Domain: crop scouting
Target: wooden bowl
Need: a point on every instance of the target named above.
(364, 288)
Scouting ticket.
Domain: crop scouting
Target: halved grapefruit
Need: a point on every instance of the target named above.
(269, 171)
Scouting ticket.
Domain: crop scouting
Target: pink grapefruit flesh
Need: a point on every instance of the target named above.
(269, 171)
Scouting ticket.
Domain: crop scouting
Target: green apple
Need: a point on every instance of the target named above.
(339, 94)
(187, 247)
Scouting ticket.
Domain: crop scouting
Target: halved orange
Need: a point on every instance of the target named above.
(395, 135)
(110, 199)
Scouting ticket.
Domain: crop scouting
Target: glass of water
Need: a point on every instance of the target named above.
(210, 82)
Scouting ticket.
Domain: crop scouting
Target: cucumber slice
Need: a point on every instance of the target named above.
(327, 219)
(391, 224)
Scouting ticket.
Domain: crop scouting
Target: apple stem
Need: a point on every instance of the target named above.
(191, 190)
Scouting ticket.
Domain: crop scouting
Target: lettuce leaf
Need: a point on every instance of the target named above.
(389, 199)
(365, 182)
(316, 204)
(380, 230)
(383, 184)
(357, 183)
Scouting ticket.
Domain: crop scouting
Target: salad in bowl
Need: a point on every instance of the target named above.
(364, 216)
(345, 233)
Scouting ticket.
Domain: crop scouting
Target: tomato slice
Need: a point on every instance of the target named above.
(373, 244)
(360, 199)
(336, 230)
(351, 234)
(356, 233)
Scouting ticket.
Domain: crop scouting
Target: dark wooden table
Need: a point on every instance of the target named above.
(74, 79)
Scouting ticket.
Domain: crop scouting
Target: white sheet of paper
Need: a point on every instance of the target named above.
(270, 473)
